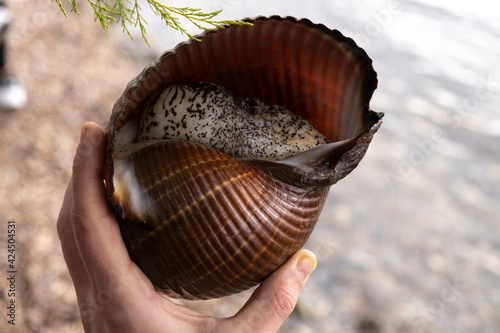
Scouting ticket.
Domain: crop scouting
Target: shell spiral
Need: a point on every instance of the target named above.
(202, 224)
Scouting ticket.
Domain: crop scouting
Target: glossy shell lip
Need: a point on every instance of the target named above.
(293, 86)
(311, 70)
(180, 66)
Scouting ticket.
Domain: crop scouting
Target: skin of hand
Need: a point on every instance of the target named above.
(114, 295)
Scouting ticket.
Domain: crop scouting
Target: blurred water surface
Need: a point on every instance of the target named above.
(410, 241)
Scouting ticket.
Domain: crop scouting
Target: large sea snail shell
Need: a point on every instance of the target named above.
(211, 225)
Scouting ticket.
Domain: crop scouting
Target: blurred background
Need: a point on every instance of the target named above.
(409, 242)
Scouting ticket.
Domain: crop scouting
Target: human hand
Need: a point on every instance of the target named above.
(114, 295)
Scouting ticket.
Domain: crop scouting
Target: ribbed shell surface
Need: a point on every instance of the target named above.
(221, 225)
(244, 221)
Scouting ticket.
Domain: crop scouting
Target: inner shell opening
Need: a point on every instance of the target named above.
(209, 114)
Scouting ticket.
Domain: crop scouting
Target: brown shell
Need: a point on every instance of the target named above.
(221, 225)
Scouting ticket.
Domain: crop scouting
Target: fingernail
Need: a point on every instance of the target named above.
(83, 132)
(305, 266)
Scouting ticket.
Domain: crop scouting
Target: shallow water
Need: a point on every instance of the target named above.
(409, 242)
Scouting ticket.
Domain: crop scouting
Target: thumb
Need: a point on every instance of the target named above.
(276, 297)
